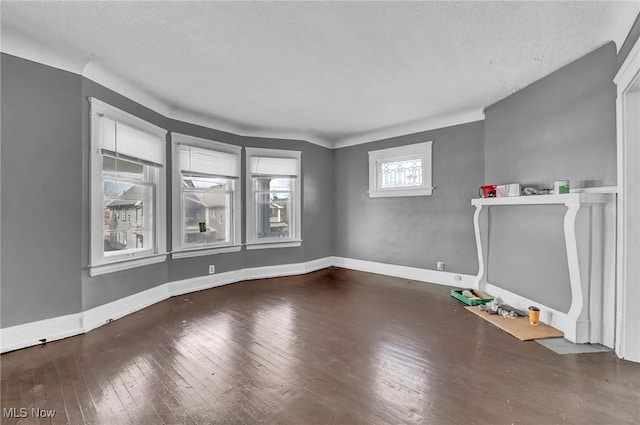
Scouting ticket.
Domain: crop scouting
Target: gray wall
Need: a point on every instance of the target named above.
(560, 127)
(527, 255)
(41, 187)
(413, 231)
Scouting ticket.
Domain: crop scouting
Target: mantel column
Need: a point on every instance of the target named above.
(481, 277)
(579, 329)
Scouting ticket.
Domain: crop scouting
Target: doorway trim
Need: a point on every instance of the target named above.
(627, 343)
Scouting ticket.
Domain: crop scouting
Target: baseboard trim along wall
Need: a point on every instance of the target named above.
(548, 315)
(30, 334)
(405, 272)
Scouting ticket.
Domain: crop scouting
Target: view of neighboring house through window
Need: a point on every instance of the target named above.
(273, 206)
(128, 199)
(401, 171)
(273, 201)
(206, 195)
(127, 190)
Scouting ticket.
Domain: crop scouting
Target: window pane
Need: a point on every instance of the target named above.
(207, 217)
(126, 208)
(273, 207)
(273, 213)
(123, 168)
(205, 183)
(400, 173)
(280, 184)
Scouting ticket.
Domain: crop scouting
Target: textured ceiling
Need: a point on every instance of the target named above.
(335, 73)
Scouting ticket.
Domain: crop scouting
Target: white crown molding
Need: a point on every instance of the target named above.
(100, 74)
(628, 68)
(20, 46)
(417, 126)
(247, 131)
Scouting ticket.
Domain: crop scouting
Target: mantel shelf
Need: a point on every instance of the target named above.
(576, 323)
(563, 199)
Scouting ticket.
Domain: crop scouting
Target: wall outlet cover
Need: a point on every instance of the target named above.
(212, 269)
(440, 266)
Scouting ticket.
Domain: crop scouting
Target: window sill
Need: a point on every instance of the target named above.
(273, 244)
(126, 264)
(201, 252)
(400, 192)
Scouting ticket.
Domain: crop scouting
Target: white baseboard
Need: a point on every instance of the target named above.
(272, 271)
(200, 283)
(548, 315)
(29, 334)
(319, 264)
(405, 272)
(103, 314)
(181, 287)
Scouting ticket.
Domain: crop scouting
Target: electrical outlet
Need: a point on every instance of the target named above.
(440, 266)
(212, 269)
(457, 277)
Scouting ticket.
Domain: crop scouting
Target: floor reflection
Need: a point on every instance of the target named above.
(401, 376)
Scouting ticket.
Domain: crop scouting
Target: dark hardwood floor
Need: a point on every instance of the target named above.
(331, 347)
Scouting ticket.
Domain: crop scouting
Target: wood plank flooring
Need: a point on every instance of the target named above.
(331, 347)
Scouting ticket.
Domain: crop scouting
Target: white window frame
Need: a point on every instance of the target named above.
(421, 151)
(295, 235)
(178, 250)
(157, 253)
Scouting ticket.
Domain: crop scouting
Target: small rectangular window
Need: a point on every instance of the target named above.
(206, 196)
(273, 201)
(404, 173)
(401, 171)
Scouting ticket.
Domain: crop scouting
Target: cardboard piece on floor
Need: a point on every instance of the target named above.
(519, 327)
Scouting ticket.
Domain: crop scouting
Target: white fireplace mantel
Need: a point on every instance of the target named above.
(584, 320)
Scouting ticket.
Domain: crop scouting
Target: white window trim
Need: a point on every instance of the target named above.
(98, 262)
(126, 264)
(276, 244)
(177, 250)
(295, 239)
(422, 150)
(201, 252)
